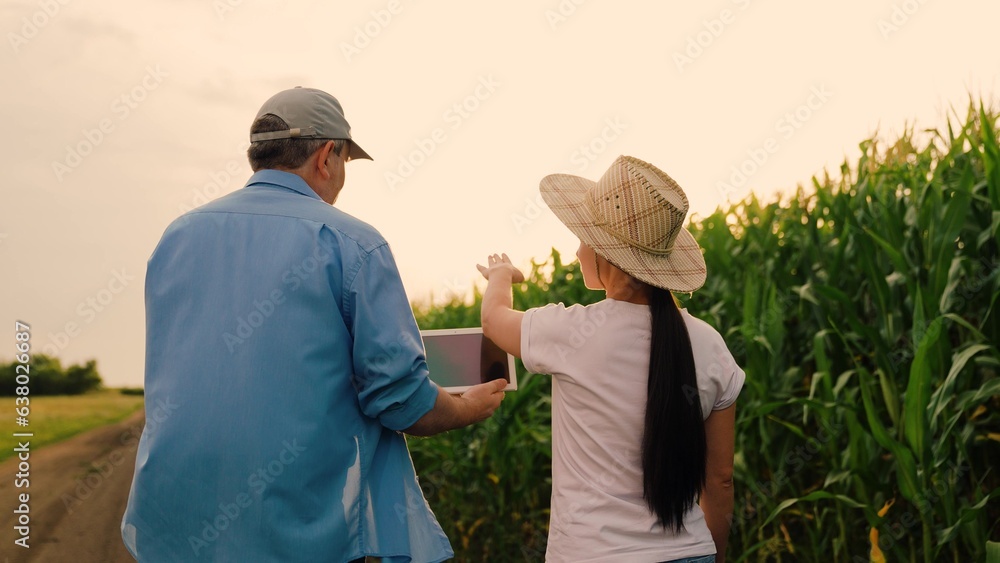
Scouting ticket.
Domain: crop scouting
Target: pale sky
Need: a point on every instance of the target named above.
(122, 114)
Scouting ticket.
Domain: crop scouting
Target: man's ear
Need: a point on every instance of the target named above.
(322, 156)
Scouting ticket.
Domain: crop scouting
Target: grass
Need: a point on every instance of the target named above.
(56, 418)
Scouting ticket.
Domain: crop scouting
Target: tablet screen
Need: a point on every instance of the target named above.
(460, 358)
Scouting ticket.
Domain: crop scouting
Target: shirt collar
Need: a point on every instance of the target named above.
(282, 179)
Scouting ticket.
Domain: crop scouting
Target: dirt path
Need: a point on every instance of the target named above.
(78, 490)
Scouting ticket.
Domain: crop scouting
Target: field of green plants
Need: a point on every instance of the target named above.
(863, 309)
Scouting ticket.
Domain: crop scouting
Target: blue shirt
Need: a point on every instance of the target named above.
(282, 357)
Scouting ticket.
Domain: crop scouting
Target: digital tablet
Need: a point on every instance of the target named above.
(459, 358)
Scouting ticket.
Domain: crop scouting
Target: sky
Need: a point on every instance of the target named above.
(121, 115)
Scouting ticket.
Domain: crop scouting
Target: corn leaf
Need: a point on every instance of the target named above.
(815, 495)
(918, 390)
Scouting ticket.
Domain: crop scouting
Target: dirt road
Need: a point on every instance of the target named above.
(78, 489)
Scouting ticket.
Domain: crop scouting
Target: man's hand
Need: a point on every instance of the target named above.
(481, 400)
(451, 412)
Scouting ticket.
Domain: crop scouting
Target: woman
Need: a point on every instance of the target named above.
(643, 393)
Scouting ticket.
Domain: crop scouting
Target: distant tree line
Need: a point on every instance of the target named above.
(48, 377)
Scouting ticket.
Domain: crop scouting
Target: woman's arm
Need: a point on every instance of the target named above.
(501, 323)
(717, 496)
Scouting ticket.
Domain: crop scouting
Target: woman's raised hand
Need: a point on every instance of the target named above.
(500, 262)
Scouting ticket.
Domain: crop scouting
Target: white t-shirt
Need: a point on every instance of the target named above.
(598, 356)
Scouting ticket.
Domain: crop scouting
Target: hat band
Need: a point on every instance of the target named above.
(284, 134)
(605, 226)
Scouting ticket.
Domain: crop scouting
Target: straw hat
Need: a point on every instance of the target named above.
(634, 218)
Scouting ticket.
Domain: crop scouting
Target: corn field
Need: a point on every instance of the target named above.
(863, 309)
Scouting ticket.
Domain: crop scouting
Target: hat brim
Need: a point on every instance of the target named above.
(682, 271)
(358, 152)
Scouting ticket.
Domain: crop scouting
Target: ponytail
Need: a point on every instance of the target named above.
(673, 441)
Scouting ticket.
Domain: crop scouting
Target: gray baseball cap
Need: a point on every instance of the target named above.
(310, 114)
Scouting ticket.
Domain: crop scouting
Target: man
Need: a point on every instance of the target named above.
(282, 363)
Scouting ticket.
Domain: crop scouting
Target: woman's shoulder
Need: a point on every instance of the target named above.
(700, 331)
(604, 313)
(576, 307)
(600, 308)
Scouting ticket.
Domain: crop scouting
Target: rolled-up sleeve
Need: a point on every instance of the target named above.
(390, 369)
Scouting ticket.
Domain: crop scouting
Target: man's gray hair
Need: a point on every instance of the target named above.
(283, 154)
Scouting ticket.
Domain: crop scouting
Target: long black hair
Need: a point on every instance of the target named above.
(673, 441)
